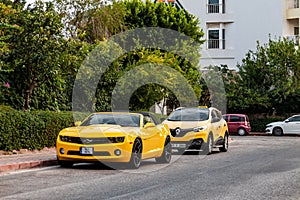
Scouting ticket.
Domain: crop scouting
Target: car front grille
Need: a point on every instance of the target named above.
(87, 141)
(182, 132)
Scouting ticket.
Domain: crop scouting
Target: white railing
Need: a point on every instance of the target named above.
(215, 8)
(216, 44)
(293, 4)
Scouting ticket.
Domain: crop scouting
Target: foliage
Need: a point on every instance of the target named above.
(31, 130)
(259, 125)
(139, 14)
(267, 81)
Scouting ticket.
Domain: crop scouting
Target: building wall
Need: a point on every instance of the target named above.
(245, 22)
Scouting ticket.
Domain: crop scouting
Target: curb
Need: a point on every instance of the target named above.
(27, 165)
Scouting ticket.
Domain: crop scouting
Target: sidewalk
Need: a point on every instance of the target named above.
(25, 159)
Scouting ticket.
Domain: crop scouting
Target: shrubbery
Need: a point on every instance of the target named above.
(259, 125)
(31, 130)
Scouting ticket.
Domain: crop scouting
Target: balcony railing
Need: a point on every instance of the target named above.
(293, 4)
(215, 8)
(216, 44)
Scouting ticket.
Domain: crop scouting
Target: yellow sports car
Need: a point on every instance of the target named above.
(111, 138)
(198, 129)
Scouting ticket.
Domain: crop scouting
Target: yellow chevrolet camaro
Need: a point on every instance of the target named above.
(112, 138)
(198, 129)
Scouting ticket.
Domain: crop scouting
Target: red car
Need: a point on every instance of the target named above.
(238, 123)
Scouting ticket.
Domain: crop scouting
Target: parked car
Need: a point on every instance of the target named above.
(197, 129)
(289, 126)
(115, 138)
(238, 123)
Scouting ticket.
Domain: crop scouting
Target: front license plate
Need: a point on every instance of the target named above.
(179, 146)
(86, 150)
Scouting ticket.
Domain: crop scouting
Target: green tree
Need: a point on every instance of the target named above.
(36, 49)
(267, 80)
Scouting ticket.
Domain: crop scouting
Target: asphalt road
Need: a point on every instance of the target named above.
(255, 167)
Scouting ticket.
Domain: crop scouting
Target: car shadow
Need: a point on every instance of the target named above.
(109, 166)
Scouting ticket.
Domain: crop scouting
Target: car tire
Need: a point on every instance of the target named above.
(65, 164)
(224, 147)
(277, 131)
(207, 147)
(136, 155)
(167, 153)
(242, 132)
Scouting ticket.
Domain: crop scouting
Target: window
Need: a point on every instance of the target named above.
(213, 39)
(234, 118)
(213, 6)
(296, 3)
(294, 119)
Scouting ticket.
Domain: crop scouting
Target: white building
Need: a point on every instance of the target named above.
(233, 27)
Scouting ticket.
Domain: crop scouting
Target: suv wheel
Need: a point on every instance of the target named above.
(208, 146)
(224, 147)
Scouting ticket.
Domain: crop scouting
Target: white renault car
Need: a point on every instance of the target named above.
(288, 126)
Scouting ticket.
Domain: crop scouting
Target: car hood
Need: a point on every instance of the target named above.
(185, 124)
(275, 124)
(100, 131)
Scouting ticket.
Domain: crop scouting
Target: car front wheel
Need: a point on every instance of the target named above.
(208, 146)
(277, 131)
(136, 155)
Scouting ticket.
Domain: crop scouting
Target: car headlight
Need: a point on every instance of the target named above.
(268, 125)
(116, 139)
(199, 128)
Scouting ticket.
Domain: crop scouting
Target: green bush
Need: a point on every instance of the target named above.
(259, 125)
(31, 130)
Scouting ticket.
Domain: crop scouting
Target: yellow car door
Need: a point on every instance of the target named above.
(152, 140)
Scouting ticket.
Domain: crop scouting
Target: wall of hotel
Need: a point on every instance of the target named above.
(255, 21)
(252, 20)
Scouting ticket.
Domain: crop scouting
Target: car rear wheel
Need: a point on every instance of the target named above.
(136, 155)
(167, 153)
(208, 146)
(242, 132)
(224, 148)
(277, 131)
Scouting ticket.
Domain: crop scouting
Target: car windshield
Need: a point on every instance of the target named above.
(193, 114)
(125, 120)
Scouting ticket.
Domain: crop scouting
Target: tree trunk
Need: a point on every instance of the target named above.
(28, 95)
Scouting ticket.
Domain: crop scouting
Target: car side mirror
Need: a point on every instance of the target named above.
(286, 121)
(77, 123)
(149, 124)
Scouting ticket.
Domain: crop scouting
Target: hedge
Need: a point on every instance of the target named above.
(31, 130)
(259, 125)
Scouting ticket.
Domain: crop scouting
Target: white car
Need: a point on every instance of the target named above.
(288, 126)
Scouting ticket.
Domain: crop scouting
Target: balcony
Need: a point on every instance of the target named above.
(293, 10)
(215, 44)
(215, 8)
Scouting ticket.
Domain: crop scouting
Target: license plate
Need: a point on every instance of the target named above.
(179, 146)
(86, 150)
